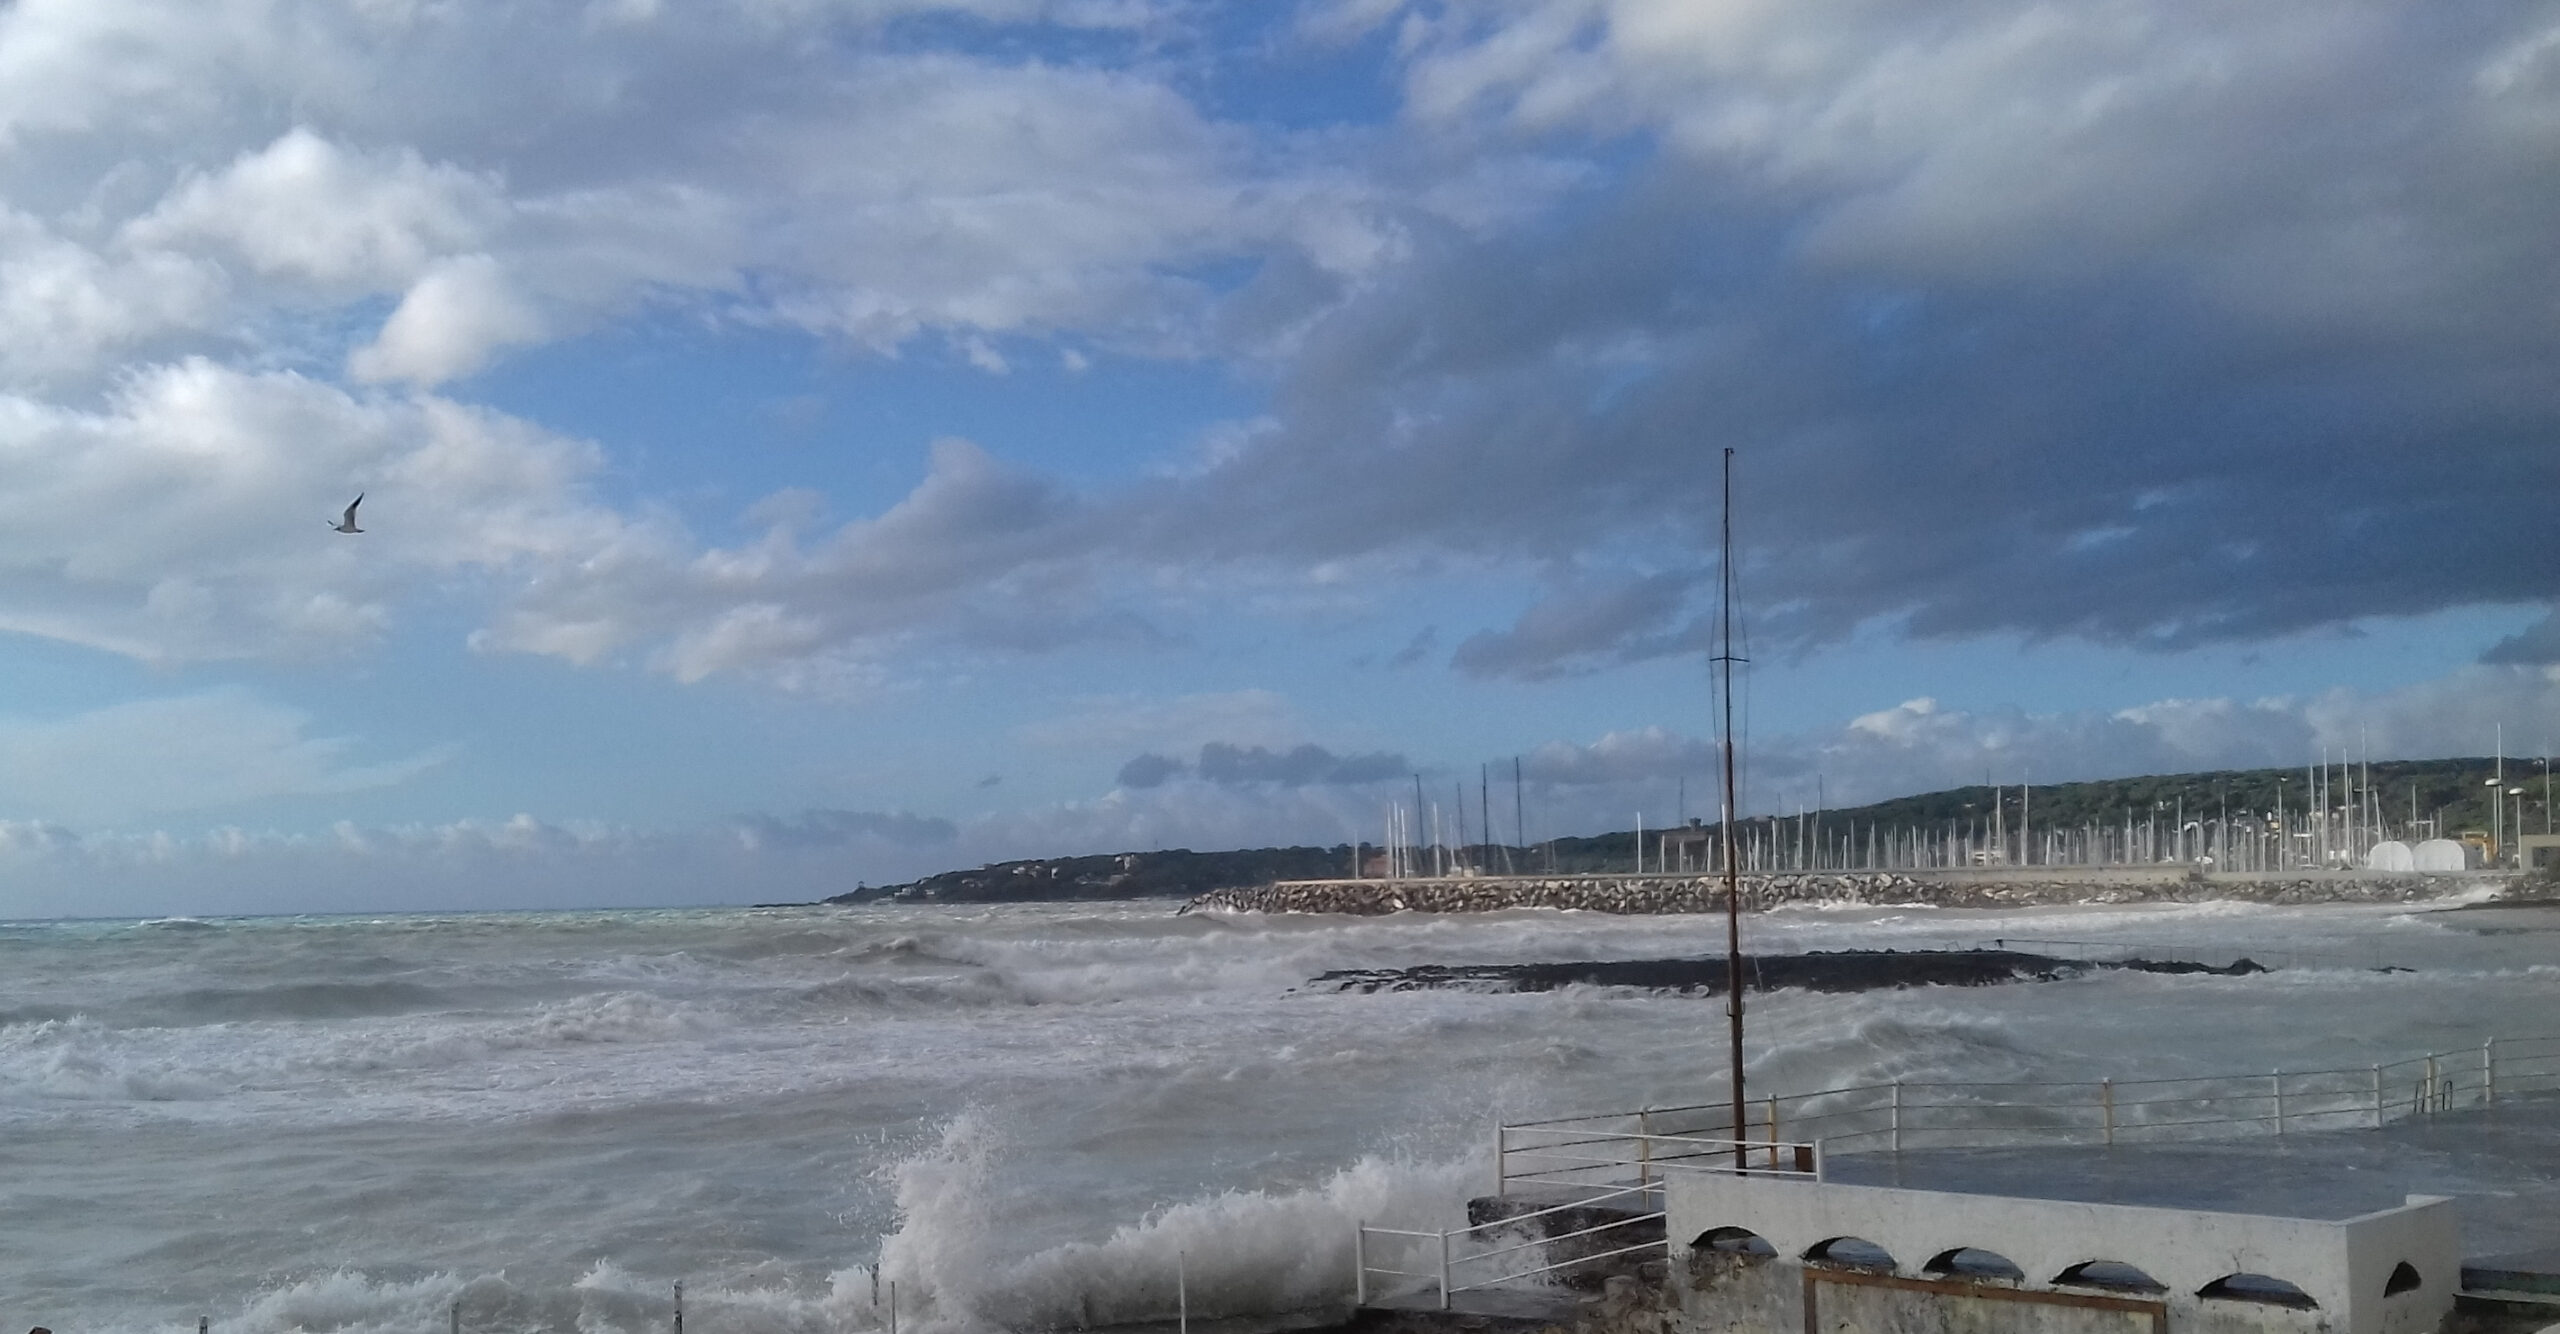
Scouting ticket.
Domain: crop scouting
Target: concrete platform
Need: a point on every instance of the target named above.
(2501, 1164)
(1524, 1303)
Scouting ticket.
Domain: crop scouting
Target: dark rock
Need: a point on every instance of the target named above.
(1834, 971)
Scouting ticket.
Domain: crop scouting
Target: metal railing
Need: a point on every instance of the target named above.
(1891, 1117)
(1626, 1156)
(1637, 1148)
(1597, 1168)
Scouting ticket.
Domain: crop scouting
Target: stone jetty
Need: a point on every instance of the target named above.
(1636, 894)
(1821, 970)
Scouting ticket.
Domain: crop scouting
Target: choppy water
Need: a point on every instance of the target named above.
(1019, 1114)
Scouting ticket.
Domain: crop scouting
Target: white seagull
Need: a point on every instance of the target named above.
(348, 524)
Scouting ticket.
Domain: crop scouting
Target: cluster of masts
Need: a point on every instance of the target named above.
(2346, 823)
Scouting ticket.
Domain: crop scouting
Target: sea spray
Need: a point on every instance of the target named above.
(580, 1109)
(1244, 1252)
(614, 1301)
(346, 1302)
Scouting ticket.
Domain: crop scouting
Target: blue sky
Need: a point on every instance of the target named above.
(819, 441)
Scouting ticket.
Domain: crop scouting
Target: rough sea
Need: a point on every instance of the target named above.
(1023, 1116)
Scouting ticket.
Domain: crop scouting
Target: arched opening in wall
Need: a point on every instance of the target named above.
(2261, 1288)
(1733, 1241)
(1975, 1262)
(1850, 1253)
(2404, 1278)
(2108, 1275)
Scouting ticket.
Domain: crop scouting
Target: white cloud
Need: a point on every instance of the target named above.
(462, 312)
(252, 182)
(1922, 746)
(185, 519)
(305, 207)
(1648, 754)
(524, 173)
(2263, 155)
(744, 637)
(2016, 314)
(521, 861)
(48, 866)
(65, 308)
(189, 753)
(979, 551)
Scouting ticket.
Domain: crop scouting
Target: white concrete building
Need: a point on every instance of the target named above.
(1789, 1255)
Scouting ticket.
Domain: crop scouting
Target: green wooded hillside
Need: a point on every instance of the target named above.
(2450, 796)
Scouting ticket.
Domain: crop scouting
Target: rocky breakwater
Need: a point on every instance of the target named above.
(1695, 893)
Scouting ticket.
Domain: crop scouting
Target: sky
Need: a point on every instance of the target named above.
(815, 442)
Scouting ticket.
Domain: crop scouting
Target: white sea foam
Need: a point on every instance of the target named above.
(1022, 1114)
(1240, 1251)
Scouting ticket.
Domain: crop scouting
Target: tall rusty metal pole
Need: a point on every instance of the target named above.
(1732, 868)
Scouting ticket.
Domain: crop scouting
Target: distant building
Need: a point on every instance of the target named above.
(2538, 852)
(2444, 854)
(1687, 848)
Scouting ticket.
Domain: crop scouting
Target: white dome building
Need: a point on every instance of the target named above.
(2441, 854)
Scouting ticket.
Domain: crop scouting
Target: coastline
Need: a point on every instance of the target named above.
(1699, 893)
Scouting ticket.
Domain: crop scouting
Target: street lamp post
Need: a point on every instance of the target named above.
(2517, 792)
(2497, 820)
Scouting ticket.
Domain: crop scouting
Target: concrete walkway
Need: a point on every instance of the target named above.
(2502, 1164)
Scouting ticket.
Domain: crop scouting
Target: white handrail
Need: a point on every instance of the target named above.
(1547, 1155)
(1972, 1114)
(1949, 1114)
(1443, 1275)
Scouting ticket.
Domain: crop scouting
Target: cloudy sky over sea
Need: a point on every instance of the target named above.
(817, 440)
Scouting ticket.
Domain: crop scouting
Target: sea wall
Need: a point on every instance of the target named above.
(1932, 1263)
(2015, 887)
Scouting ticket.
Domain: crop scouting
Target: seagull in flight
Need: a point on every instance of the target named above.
(348, 523)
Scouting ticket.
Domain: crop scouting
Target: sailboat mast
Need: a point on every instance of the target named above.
(1732, 870)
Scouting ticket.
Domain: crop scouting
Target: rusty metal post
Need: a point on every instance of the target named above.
(2277, 1080)
(1897, 1116)
(1773, 1133)
(2489, 1073)
(2431, 1083)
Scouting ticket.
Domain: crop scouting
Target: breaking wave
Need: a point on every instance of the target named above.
(1236, 1252)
